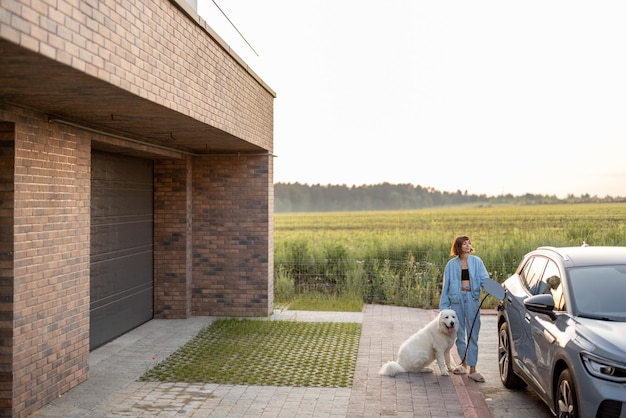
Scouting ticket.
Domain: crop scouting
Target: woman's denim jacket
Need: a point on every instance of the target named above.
(451, 292)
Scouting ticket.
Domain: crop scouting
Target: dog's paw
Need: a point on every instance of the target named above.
(444, 372)
(426, 370)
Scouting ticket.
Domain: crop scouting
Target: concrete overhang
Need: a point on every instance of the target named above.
(64, 94)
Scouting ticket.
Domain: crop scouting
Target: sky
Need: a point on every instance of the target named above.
(489, 97)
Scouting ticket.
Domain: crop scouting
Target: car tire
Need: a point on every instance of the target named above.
(566, 402)
(505, 360)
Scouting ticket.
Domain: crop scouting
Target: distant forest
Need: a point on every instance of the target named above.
(296, 197)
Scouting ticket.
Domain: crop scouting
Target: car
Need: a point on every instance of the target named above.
(562, 329)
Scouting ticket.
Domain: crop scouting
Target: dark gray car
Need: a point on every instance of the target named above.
(562, 329)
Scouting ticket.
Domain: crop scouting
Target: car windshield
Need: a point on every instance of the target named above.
(598, 291)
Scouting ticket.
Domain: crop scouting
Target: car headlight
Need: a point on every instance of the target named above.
(603, 368)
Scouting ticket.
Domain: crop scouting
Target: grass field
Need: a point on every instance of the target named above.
(397, 257)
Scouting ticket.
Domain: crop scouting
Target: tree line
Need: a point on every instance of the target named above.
(297, 197)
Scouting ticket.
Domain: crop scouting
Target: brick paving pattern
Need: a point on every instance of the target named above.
(114, 391)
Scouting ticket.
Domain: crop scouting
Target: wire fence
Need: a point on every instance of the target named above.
(410, 281)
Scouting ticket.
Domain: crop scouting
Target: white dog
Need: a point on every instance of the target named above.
(433, 342)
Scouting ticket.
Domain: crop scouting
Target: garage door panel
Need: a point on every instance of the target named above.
(118, 276)
(116, 168)
(110, 318)
(130, 235)
(109, 201)
(121, 245)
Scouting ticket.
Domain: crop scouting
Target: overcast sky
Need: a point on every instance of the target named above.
(488, 97)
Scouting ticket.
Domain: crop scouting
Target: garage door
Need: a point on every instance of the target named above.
(121, 245)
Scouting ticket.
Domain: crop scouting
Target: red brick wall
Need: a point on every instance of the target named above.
(7, 159)
(51, 261)
(232, 235)
(172, 238)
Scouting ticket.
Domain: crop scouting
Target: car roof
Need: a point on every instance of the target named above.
(587, 255)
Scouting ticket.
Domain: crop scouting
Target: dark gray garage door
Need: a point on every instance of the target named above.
(121, 245)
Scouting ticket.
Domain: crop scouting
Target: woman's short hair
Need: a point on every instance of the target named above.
(457, 244)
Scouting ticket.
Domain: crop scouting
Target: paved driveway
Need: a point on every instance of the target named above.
(502, 402)
(113, 390)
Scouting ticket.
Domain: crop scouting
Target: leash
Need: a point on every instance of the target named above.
(469, 337)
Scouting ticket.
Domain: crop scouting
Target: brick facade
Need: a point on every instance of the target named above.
(172, 238)
(146, 78)
(7, 161)
(214, 236)
(232, 235)
(48, 284)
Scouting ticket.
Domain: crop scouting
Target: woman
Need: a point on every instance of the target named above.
(463, 278)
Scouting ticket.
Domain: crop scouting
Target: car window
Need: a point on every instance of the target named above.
(599, 290)
(532, 273)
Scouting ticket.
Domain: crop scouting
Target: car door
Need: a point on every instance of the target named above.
(545, 332)
(519, 318)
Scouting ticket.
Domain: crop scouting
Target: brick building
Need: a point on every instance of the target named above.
(136, 158)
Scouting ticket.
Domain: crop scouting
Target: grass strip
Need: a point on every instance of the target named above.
(274, 353)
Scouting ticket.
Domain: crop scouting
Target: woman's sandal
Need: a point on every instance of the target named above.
(459, 369)
(477, 377)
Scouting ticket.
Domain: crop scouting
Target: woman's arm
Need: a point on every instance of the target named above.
(444, 301)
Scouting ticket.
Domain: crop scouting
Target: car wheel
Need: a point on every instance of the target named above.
(566, 402)
(505, 360)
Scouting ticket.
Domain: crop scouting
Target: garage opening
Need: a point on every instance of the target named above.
(121, 245)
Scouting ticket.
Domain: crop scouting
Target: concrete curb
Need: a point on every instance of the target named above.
(470, 396)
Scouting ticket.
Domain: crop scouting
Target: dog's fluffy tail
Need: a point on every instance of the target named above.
(391, 368)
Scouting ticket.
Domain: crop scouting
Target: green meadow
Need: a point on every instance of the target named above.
(397, 257)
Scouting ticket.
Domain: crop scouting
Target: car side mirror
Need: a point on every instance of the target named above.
(543, 304)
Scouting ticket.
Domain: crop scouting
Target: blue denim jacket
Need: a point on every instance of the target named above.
(451, 292)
